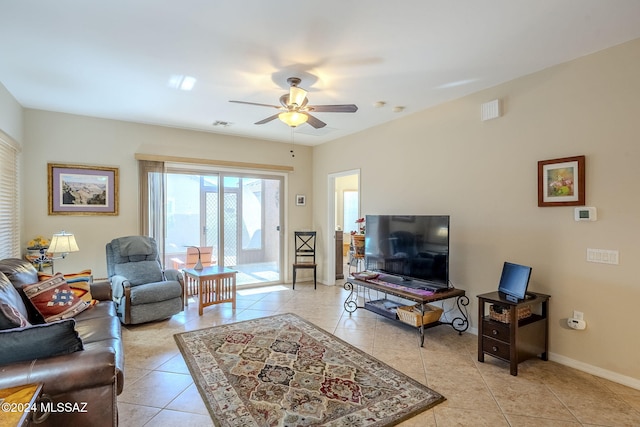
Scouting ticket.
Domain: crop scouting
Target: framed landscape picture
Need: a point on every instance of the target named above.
(82, 190)
(561, 182)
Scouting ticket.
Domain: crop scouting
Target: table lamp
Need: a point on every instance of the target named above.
(63, 243)
(198, 265)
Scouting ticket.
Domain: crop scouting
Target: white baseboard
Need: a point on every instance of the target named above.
(585, 367)
(594, 370)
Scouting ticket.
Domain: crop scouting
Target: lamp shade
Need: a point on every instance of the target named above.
(293, 118)
(297, 96)
(63, 243)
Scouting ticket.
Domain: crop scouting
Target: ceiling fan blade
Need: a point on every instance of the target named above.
(255, 103)
(315, 122)
(343, 108)
(267, 120)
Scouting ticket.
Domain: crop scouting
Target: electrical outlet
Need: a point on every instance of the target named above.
(578, 315)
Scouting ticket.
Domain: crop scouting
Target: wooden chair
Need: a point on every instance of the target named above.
(305, 258)
(206, 257)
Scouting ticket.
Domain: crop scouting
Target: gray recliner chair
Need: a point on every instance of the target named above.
(142, 291)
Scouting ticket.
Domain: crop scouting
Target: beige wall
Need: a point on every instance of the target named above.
(484, 174)
(481, 173)
(64, 138)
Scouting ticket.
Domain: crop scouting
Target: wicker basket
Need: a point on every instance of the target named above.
(503, 315)
(411, 314)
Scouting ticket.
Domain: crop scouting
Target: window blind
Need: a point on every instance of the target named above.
(9, 199)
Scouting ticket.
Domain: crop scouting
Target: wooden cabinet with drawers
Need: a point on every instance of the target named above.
(512, 337)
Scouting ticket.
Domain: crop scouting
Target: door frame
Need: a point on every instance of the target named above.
(330, 272)
(222, 171)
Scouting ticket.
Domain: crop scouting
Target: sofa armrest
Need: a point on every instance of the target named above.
(172, 274)
(118, 285)
(77, 371)
(101, 290)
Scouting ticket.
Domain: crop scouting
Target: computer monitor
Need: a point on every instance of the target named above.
(514, 281)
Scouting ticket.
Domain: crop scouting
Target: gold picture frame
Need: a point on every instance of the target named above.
(82, 189)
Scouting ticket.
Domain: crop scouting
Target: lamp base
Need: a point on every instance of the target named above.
(198, 265)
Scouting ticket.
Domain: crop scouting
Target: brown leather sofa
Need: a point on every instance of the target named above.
(79, 361)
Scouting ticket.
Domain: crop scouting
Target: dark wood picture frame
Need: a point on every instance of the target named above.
(82, 190)
(561, 182)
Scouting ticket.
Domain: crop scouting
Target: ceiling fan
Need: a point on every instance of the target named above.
(295, 110)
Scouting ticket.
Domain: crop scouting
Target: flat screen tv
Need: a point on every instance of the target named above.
(413, 248)
(514, 281)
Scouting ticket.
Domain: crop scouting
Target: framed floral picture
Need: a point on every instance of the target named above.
(561, 182)
(82, 190)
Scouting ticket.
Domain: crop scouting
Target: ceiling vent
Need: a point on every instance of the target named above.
(221, 123)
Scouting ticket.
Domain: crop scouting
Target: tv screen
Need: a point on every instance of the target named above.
(411, 247)
(514, 281)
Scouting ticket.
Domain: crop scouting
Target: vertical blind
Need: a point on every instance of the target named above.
(9, 199)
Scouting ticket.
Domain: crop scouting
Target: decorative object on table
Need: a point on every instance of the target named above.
(198, 265)
(82, 190)
(38, 254)
(366, 275)
(561, 182)
(361, 226)
(283, 370)
(301, 200)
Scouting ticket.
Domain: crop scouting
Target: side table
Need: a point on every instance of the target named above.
(214, 285)
(19, 406)
(518, 339)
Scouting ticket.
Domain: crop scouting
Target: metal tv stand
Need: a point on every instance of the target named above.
(416, 295)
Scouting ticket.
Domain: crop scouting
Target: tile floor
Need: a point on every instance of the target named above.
(159, 391)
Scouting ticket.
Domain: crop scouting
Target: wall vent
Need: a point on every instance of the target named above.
(490, 110)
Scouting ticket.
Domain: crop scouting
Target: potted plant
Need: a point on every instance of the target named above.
(37, 252)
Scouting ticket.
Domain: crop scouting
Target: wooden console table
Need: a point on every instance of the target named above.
(419, 296)
(519, 339)
(214, 285)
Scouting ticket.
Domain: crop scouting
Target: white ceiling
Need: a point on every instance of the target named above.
(114, 59)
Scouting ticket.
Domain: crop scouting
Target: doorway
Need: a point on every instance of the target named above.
(237, 214)
(344, 209)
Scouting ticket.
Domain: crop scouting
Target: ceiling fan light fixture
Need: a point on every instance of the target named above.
(293, 118)
(297, 96)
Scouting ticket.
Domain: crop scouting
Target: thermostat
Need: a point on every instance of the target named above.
(585, 214)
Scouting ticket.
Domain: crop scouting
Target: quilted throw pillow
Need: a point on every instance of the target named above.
(54, 299)
(80, 283)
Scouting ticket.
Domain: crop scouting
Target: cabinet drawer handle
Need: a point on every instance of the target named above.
(494, 332)
(495, 348)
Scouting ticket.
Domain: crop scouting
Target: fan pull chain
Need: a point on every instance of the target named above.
(292, 144)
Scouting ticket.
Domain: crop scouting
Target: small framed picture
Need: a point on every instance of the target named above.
(561, 182)
(82, 190)
(301, 200)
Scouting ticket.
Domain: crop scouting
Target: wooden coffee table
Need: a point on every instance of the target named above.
(214, 285)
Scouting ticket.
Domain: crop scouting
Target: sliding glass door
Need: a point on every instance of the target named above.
(239, 215)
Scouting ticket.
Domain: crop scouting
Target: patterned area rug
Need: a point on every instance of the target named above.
(284, 371)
